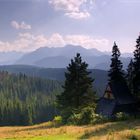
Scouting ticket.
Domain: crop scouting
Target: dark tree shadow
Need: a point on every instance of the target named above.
(28, 128)
(110, 128)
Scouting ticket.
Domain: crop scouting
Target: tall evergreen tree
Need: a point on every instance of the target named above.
(129, 75)
(136, 79)
(78, 90)
(116, 73)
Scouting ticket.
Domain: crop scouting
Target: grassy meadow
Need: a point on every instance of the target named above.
(125, 130)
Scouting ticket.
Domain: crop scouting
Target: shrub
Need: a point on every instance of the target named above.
(57, 120)
(75, 119)
(99, 119)
(122, 116)
(82, 116)
(87, 115)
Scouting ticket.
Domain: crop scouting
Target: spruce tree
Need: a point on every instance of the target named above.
(129, 75)
(78, 90)
(116, 73)
(136, 79)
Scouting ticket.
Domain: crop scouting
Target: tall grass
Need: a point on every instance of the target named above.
(124, 130)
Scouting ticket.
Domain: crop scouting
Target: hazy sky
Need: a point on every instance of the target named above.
(26, 25)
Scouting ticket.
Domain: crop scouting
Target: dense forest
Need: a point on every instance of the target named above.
(26, 100)
(100, 76)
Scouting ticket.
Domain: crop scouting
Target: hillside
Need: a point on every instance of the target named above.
(127, 130)
(100, 76)
(26, 100)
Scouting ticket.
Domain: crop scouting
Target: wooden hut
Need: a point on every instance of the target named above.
(116, 98)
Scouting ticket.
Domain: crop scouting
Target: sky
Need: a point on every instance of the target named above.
(26, 25)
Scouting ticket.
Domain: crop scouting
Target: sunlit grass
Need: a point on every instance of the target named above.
(56, 137)
(126, 130)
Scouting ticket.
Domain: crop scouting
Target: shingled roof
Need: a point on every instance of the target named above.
(121, 93)
(105, 107)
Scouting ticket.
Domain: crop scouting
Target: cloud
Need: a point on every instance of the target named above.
(87, 41)
(78, 15)
(27, 42)
(76, 9)
(56, 40)
(21, 25)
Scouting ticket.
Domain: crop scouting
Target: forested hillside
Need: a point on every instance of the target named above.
(99, 76)
(26, 100)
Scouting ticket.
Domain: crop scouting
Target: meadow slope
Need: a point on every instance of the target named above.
(125, 130)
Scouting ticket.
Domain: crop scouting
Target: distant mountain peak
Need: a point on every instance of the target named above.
(59, 57)
(74, 46)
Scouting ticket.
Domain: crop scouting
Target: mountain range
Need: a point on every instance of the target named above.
(60, 57)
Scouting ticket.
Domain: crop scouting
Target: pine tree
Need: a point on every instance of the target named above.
(136, 79)
(116, 73)
(129, 75)
(78, 90)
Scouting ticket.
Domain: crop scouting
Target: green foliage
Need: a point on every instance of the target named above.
(121, 116)
(81, 117)
(136, 72)
(116, 73)
(86, 115)
(133, 74)
(130, 75)
(78, 92)
(57, 120)
(74, 119)
(99, 119)
(26, 100)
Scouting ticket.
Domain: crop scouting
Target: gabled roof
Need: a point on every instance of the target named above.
(121, 96)
(121, 93)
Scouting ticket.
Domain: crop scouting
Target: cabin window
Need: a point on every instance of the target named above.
(108, 95)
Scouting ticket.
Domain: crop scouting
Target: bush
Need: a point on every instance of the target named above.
(121, 116)
(82, 116)
(74, 119)
(57, 120)
(87, 115)
(99, 119)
